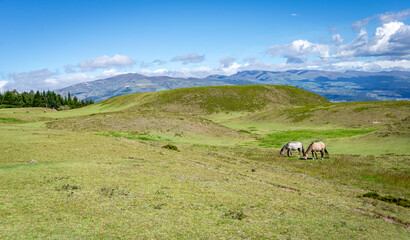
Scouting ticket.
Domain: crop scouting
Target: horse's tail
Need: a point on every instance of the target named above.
(326, 151)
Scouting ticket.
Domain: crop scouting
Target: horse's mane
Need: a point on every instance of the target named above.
(309, 148)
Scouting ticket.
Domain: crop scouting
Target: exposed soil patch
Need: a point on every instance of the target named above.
(249, 177)
(385, 218)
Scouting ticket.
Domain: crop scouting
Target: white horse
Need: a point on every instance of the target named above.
(292, 146)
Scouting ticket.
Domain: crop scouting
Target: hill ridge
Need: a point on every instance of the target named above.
(336, 86)
(218, 98)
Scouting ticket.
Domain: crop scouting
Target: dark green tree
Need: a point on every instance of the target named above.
(8, 98)
(38, 100)
(69, 100)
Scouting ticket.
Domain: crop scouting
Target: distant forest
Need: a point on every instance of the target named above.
(49, 99)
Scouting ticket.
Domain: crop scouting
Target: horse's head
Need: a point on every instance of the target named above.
(282, 151)
(305, 154)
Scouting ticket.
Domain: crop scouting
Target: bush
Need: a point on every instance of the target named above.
(235, 214)
(389, 199)
(171, 147)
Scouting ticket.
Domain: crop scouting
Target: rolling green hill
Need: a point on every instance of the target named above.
(175, 114)
(267, 116)
(216, 99)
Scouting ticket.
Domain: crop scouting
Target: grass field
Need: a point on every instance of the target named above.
(102, 172)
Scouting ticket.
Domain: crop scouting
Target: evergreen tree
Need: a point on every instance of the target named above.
(52, 99)
(60, 100)
(38, 100)
(8, 98)
(47, 99)
(18, 100)
(76, 104)
(27, 99)
(69, 100)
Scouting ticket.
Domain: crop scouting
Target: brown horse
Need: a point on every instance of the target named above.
(314, 147)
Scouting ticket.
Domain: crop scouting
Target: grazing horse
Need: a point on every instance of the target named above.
(314, 147)
(292, 146)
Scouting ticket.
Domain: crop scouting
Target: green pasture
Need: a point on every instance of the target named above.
(277, 139)
(102, 172)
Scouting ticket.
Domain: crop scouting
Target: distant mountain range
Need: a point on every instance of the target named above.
(335, 86)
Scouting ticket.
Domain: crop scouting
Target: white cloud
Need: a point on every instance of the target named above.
(59, 82)
(391, 40)
(181, 72)
(198, 72)
(375, 66)
(102, 62)
(26, 81)
(360, 24)
(152, 63)
(392, 16)
(337, 39)
(227, 62)
(383, 18)
(2, 84)
(299, 50)
(250, 59)
(46, 80)
(189, 58)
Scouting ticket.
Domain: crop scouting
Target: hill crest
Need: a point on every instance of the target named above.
(335, 86)
(217, 99)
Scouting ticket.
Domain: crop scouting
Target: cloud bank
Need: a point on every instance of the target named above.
(103, 62)
(390, 41)
(189, 58)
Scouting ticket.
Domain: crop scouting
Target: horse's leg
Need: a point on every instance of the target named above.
(299, 152)
(288, 152)
(313, 155)
(316, 155)
(321, 153)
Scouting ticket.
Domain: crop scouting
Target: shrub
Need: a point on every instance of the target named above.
(171, 147)
(67, 187)
(389, 199)
(235, 214)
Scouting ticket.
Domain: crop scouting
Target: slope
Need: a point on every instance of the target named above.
(175, 115)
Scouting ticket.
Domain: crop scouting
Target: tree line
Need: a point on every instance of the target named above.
(49, 99)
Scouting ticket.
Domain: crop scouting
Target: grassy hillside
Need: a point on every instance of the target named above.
(156, 126)
(354, 128)
(103, 172)
(169, 114)
(216, 99)
(231, 98)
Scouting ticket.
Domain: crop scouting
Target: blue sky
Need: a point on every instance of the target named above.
(52, 44)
